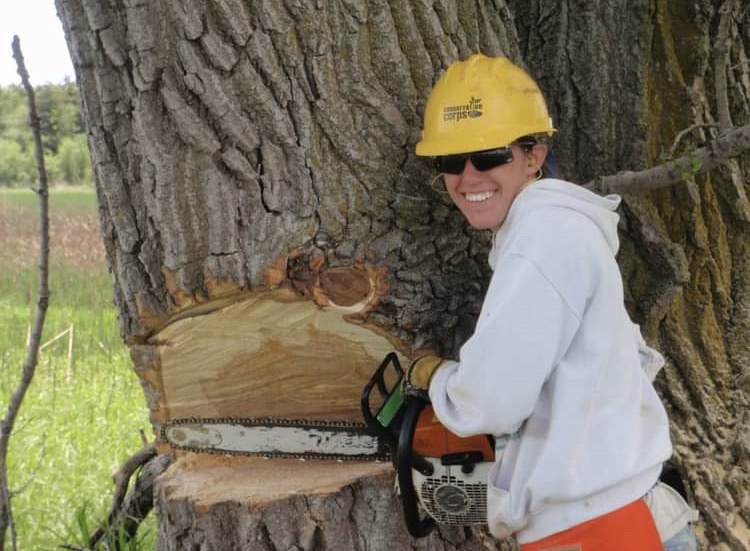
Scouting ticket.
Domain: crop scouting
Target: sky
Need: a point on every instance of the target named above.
(42, 42)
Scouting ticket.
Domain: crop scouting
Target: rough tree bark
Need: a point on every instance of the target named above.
(263, 212)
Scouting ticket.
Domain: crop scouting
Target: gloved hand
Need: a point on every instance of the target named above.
(420, 373)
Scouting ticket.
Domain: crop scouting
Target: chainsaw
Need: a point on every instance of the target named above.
(436, 469)
(444, 474)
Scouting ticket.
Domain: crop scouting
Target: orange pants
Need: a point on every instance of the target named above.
(630, 528)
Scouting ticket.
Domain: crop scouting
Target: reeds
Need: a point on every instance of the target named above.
(84, 411)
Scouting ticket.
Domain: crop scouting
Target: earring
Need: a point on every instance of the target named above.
(531, 163)
(440, 189)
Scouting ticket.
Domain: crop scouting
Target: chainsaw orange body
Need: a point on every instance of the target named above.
(432, 439)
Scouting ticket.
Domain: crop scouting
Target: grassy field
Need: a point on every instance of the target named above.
(84, 410)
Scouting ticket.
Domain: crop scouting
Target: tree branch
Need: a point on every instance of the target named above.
(687, 131)
(29, 366)
(129, 510)
(122, 479)
(730, 144)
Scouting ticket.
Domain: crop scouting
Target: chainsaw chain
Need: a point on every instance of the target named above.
(273, 422)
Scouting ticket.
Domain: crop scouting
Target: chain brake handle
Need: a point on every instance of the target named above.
(385, 424)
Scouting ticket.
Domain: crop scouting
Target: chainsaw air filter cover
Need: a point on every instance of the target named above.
(452, 496)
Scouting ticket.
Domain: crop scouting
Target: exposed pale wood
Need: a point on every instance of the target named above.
(207, 481)
(270, 354)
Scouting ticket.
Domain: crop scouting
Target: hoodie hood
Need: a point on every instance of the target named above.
(549, 192)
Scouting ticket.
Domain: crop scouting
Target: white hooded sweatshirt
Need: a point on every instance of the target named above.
(553, 370)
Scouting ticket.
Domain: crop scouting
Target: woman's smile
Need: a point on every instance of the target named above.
(479, 197)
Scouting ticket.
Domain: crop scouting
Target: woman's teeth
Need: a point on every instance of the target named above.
(477, 197)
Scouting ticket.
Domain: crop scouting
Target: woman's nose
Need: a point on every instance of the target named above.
(470, 170)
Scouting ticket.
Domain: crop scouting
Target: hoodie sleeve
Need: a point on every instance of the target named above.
(524, 329)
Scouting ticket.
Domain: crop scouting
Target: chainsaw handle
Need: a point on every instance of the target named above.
(417, 527)
(399, 435)
(378, 379)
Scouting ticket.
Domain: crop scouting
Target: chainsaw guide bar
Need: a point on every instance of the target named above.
(276, 438)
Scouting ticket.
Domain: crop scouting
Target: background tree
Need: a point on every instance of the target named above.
(241, 146)
(64, 140)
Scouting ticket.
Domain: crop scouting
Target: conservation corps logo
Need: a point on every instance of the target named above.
(472, 110)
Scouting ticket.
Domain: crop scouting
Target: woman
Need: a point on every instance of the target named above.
(555, 369)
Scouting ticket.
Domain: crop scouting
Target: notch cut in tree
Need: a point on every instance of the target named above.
(250, 158)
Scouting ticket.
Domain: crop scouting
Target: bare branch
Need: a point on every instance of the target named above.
(730, 144)
(122, 479)
(687, 131)
(128, 511)
(29, 366)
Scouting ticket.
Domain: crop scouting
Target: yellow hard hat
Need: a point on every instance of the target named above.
(482, 103)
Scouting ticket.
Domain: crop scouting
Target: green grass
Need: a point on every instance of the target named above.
(64, 200)
(82, 415)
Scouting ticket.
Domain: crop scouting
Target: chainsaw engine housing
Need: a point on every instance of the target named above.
(452, 496)
(450, 472)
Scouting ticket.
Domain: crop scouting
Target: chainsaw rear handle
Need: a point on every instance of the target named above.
(396, 429)
(406, 460)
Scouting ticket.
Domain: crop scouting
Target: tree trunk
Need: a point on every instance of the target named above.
(271, 234)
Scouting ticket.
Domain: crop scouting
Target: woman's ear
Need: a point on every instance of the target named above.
(536, 156)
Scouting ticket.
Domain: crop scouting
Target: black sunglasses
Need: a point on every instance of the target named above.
(482, 160)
